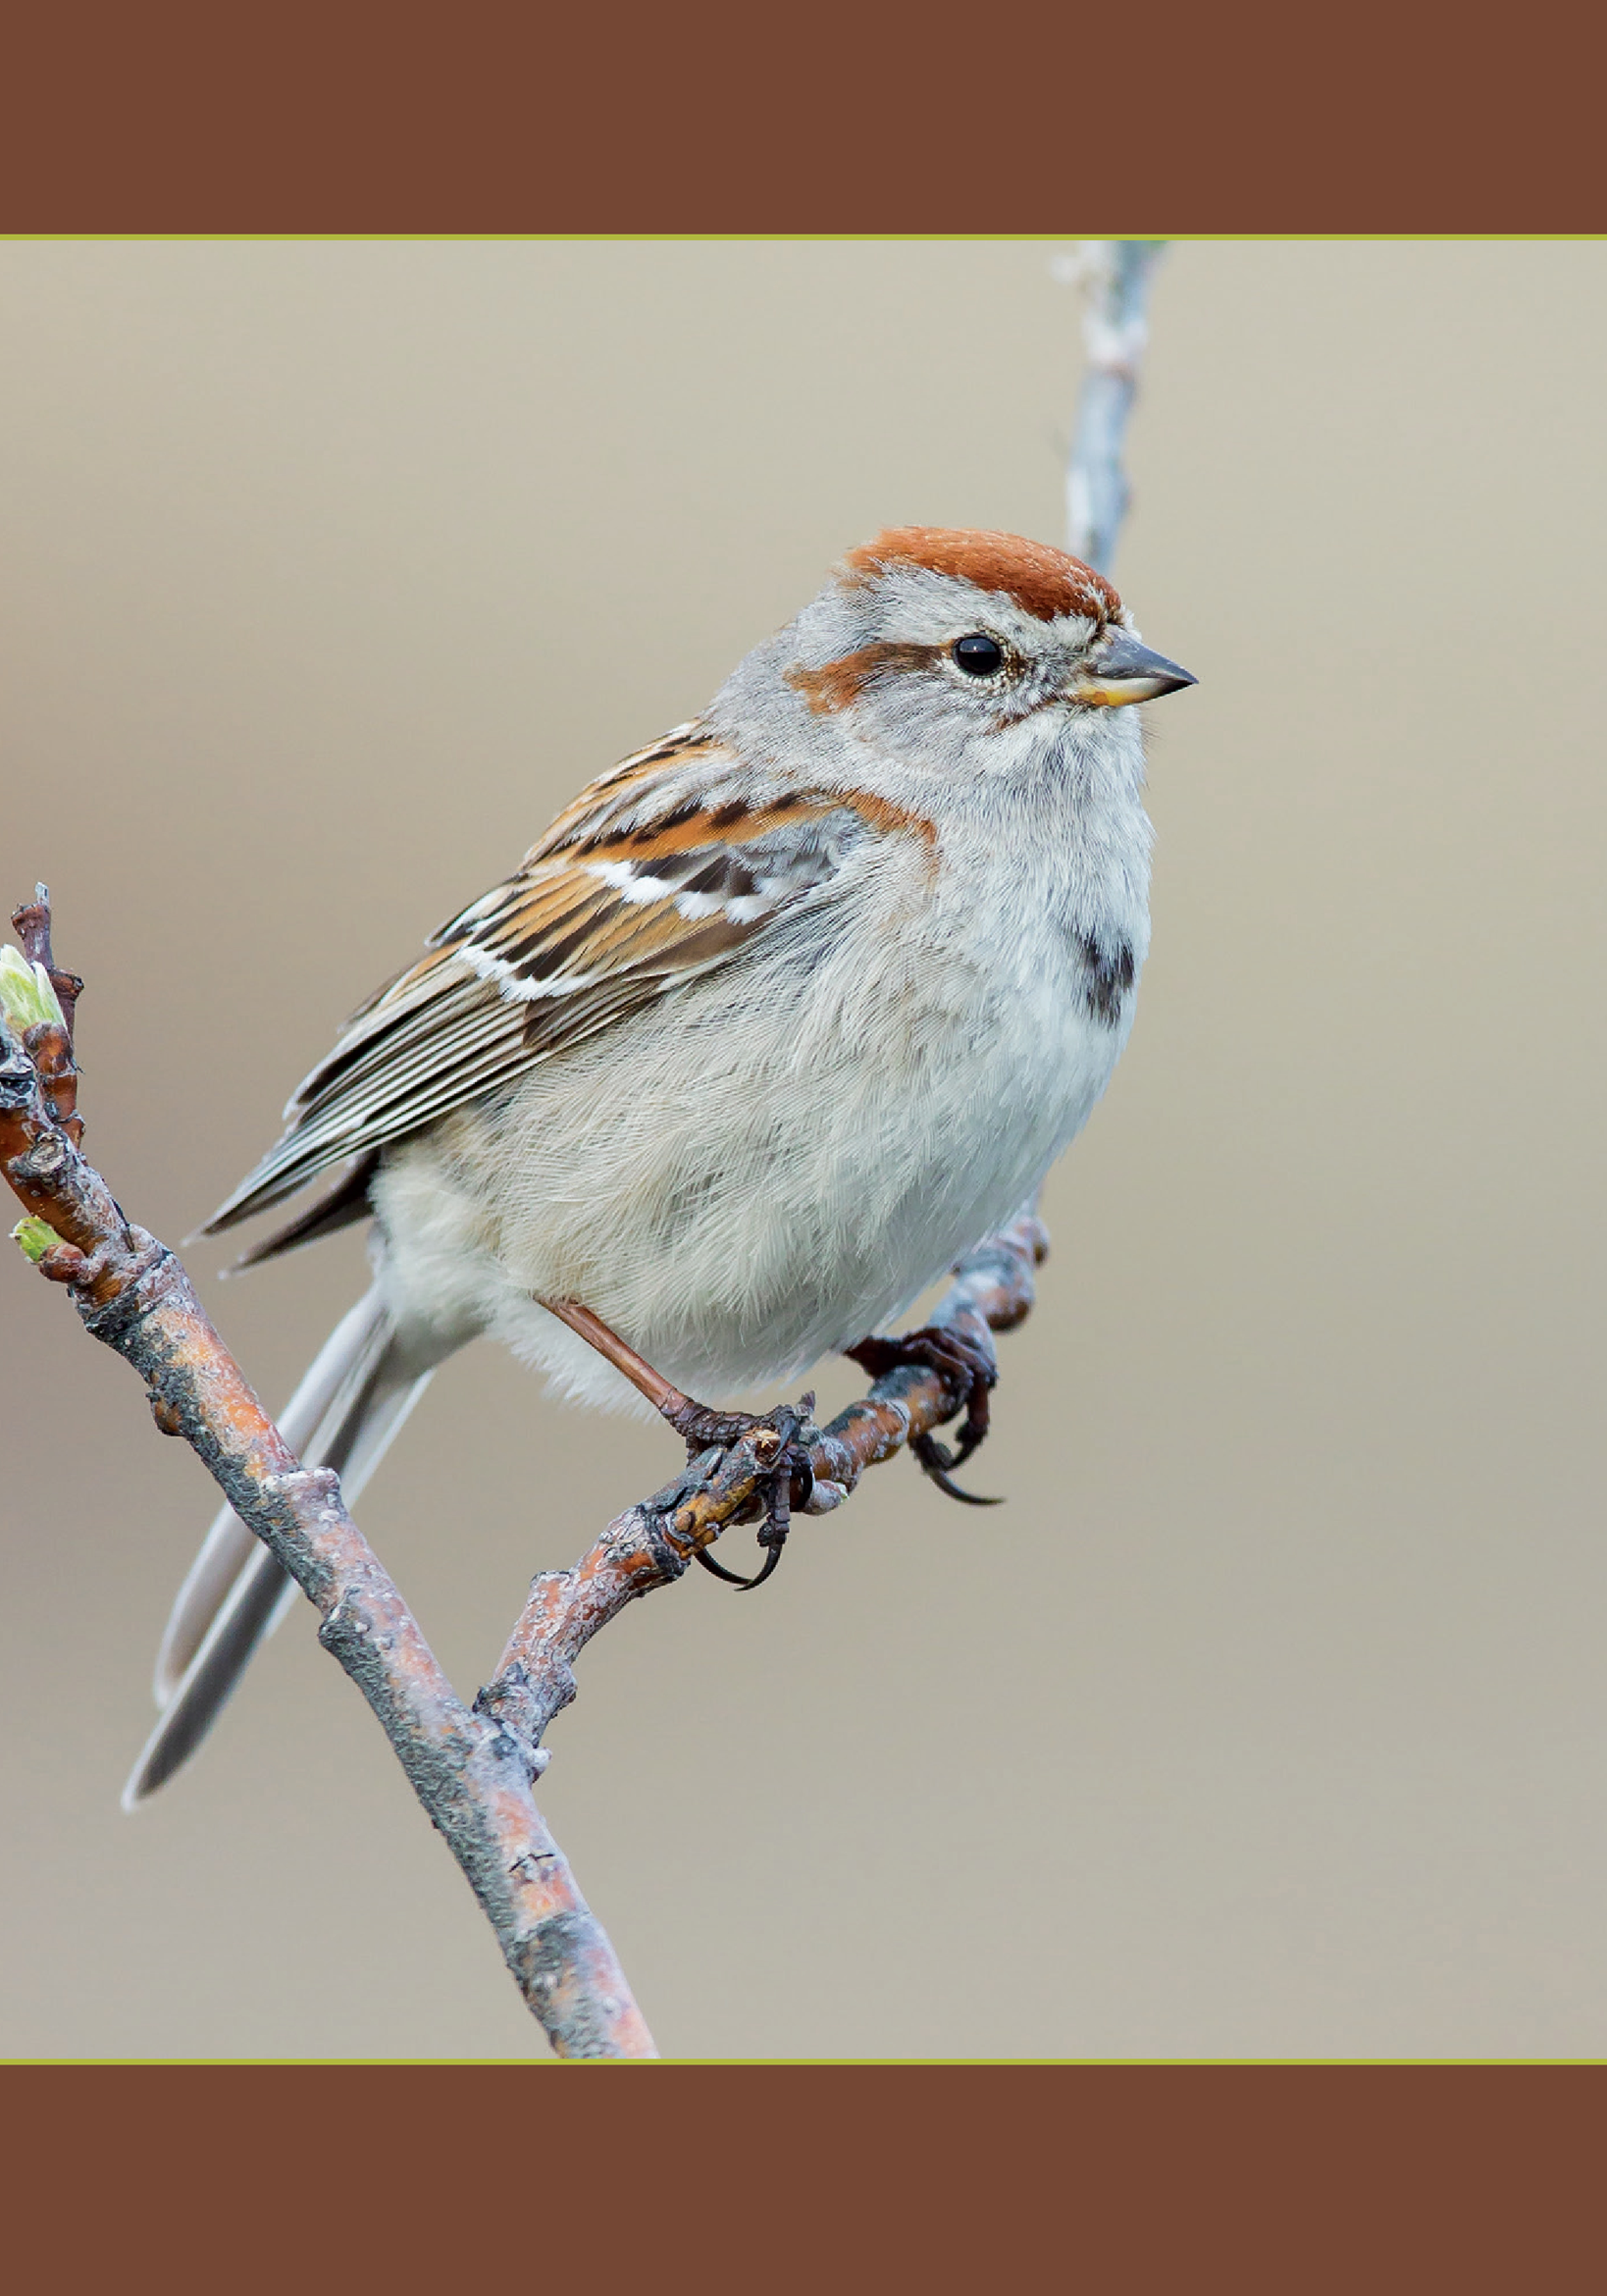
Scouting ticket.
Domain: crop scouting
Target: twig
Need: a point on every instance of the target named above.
(49, 1044)
(1114, 276)
(470, 1775)
(472, 1768)
(652, 1543)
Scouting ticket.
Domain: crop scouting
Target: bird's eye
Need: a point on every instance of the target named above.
(978, 655)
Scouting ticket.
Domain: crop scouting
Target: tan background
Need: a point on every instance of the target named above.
(1270, 1718)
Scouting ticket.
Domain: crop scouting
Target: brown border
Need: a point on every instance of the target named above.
(1308, 2178)
(177, 117)
(184, 119)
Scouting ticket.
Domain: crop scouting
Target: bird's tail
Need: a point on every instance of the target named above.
(356, 1394)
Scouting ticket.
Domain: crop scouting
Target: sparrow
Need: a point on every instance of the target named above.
(780, 1016)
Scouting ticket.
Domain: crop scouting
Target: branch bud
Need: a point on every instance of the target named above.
(25, 995)
(33, 1237)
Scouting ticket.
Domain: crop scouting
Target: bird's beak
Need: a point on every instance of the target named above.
(1119, 670)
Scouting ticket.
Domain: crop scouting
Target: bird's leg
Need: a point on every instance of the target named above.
(789, 1474)
(969, 1367)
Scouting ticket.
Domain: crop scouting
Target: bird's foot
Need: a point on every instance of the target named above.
(967, 1367)
(789, 1476)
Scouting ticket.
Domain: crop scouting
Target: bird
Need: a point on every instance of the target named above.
(780, 1015)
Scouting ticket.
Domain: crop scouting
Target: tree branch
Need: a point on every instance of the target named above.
(652, 1543)
(471, 1776)
(473, 1768)
(1114, 276)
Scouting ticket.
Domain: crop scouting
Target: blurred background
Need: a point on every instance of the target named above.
(1269, 1717)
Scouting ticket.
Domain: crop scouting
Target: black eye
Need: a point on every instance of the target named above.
(978, 655)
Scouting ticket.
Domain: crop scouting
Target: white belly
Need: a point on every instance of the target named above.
(738, 1198)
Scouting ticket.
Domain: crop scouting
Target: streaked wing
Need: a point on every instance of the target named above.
(657, 872)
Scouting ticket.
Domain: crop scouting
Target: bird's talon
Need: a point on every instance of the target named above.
(958, 1359)
(936, 1460)
(734, 1578)
(784, 1461)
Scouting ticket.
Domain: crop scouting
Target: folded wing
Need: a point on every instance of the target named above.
(671, 865)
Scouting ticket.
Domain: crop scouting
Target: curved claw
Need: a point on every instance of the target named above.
(772, 1556)
(735, 1577)
(966, 1498)
(935, 1462)
(792, 1461)
(804, 1470)
(945, 1351)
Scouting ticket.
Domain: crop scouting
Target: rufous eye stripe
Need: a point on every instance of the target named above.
(838, 684)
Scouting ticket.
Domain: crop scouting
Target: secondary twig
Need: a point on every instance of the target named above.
(49, 1043)
(652, 1543)
(1115, 277)
(471, 1767)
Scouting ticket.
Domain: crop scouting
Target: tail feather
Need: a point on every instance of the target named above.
(253, 1606)
(343, 1415)
(337, 1377)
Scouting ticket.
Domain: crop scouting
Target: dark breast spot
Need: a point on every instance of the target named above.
(1107, 976)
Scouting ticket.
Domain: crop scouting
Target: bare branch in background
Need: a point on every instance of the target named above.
(1114, 278)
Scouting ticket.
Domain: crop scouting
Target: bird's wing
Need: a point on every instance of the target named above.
(667, 866)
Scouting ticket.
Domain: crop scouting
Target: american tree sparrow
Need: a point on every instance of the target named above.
(779, 1017)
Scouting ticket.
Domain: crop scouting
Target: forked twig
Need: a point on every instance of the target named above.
(472, 1767)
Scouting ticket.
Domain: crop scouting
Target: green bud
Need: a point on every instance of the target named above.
(35, 1239)
(25, 995)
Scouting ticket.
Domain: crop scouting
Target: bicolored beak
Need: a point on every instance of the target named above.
(1119, 670)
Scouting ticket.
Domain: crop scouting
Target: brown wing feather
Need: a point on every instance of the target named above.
(657, 872)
